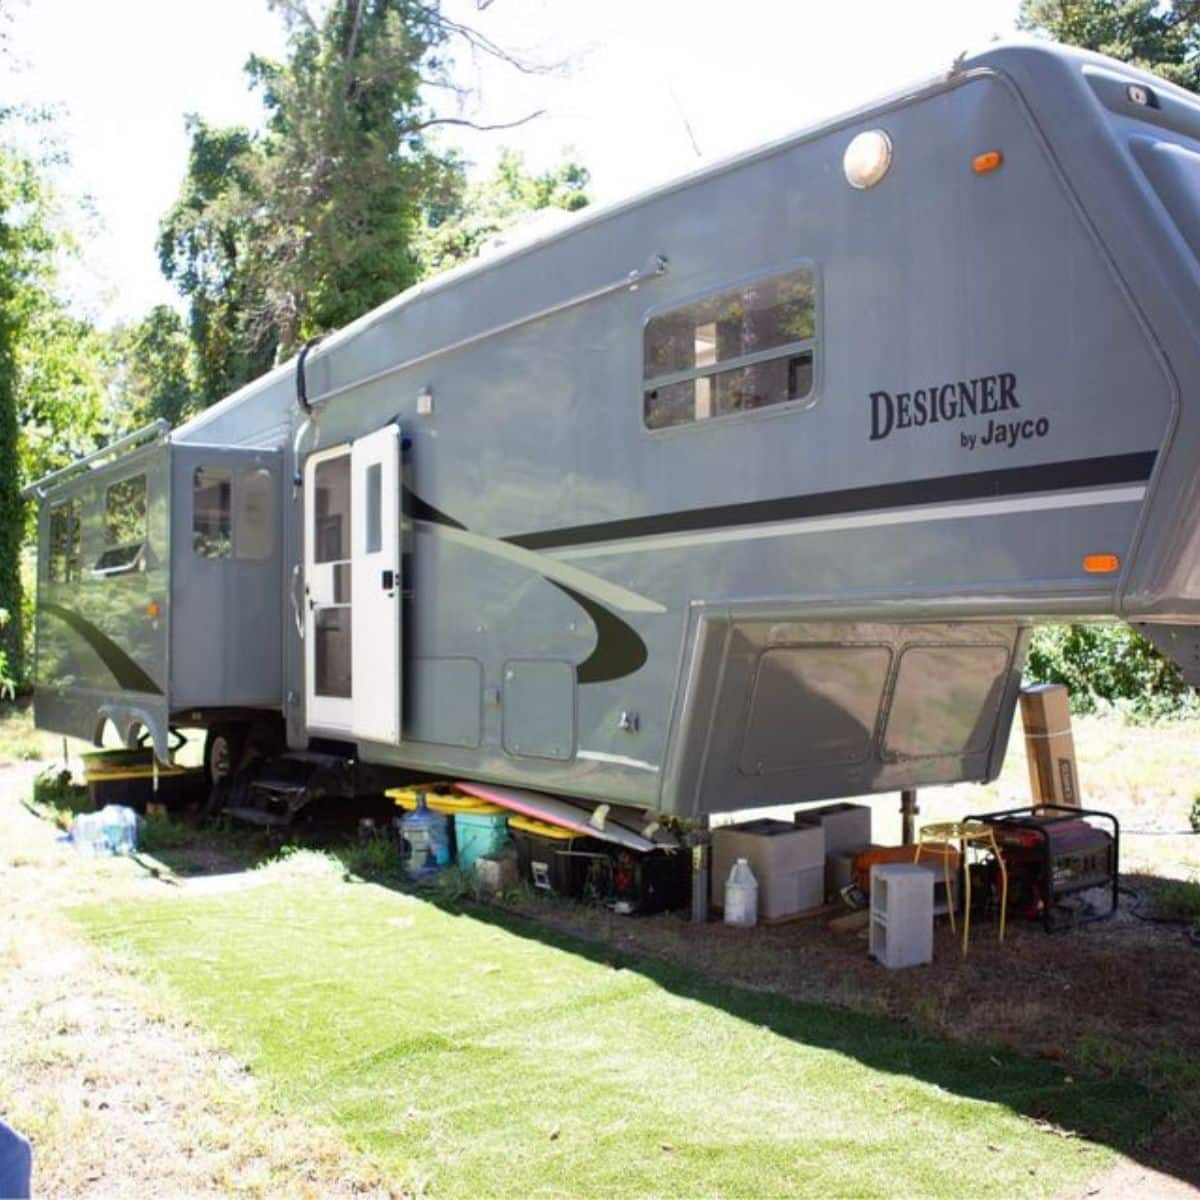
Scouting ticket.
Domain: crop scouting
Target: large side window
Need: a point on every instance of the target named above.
(125, 512)
(124, 527)
(212, 512)
(736, 351)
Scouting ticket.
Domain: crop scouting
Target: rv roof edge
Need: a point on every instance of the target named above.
(155, 429)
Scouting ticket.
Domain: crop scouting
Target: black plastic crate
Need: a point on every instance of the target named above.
(554, 863)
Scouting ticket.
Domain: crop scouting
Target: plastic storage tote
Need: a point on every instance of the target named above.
(477, 834)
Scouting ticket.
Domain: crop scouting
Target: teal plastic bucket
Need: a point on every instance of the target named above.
(477, 834)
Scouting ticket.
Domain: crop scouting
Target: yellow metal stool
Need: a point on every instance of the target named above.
(966, 834)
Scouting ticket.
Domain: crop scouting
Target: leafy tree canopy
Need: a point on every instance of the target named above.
(466, 217)
(1158, 36)
(299, 228)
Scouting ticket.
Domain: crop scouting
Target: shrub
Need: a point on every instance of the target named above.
(1110, 667)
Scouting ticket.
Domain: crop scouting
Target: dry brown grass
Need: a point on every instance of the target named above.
(119, 1093)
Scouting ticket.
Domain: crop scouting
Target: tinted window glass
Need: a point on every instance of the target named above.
(748, 320)
(125, 512)
(59, 537)
(374, 508)
(740, 350)
(254, 529)
(74, 540)
(212, 519)
(332, 479)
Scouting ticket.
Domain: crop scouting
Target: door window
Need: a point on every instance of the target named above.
(332, 675)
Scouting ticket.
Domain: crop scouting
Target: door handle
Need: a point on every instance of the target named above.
(388, 580)
(296, 616)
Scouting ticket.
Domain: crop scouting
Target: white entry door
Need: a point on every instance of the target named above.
(352, 585)
(375, 501)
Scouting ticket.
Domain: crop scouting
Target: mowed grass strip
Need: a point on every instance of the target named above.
(469, 1055)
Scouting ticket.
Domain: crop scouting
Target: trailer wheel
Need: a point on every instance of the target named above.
(224, 750)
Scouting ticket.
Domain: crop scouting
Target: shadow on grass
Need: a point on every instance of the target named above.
(1110, 1109)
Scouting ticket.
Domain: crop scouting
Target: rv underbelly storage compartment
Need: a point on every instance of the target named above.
(159, 590)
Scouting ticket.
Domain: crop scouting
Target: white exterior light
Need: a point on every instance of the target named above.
(867, 158)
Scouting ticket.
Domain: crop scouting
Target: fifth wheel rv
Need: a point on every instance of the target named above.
(746, 491)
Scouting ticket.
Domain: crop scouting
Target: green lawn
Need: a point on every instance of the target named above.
(470, 1055)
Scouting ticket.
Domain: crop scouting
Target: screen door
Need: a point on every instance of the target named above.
(352, 584)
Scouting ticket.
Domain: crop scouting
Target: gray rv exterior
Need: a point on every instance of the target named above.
(825, 596)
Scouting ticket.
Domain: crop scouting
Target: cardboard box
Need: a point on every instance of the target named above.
(788, 862)
(1049, 746)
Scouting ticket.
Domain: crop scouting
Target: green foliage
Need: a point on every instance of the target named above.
(288, 233)
(463, 217)
(8, 685)
(341, 201)
(1110, 666)
(25, 249)
(58, 798)
(1158, 36)
(1194, 815)
(207, 247)
(156, 376)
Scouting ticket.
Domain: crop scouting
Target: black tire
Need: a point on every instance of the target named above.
(224, 752)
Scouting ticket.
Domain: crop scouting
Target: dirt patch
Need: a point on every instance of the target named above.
(119, 1094)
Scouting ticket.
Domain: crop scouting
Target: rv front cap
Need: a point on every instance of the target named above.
(953, 401)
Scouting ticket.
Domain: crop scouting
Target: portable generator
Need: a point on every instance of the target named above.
(1051, 853)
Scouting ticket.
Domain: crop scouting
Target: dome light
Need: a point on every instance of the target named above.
(867, 158)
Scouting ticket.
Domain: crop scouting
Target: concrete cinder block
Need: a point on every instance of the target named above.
(497, 872)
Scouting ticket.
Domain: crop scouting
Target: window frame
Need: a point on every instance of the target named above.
(783, 351)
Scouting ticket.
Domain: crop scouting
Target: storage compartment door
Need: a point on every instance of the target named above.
(375, 525)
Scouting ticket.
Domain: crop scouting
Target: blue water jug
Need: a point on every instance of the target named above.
(426, 837)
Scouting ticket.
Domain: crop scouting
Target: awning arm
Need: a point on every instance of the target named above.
(155, 429)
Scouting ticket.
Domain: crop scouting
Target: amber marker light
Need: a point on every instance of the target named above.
(1101, 564)
(981, 164)
(152, 611)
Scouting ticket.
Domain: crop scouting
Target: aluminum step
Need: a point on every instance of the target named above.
(256, 816)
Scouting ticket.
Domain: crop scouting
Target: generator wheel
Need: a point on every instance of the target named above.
(224, 750)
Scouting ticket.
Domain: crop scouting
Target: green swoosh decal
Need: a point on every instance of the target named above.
(129, 676)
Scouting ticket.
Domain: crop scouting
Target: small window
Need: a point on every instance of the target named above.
(254, 529)
(332, 532)
(734, 352)
(60, 534)
(125, 512)
(374, 508)
(212, 520)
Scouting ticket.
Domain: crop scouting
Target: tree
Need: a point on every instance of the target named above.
(1162, 36)
(464, 218)
(155, 373)
(208, 246)
(285, 234)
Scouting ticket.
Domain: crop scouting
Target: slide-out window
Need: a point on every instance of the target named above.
(125, 512)
(212, 512)
(124, 528)
(733, 352)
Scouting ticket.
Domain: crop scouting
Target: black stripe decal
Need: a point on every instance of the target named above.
(978, 485)
(619, 649)
(129, 676)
